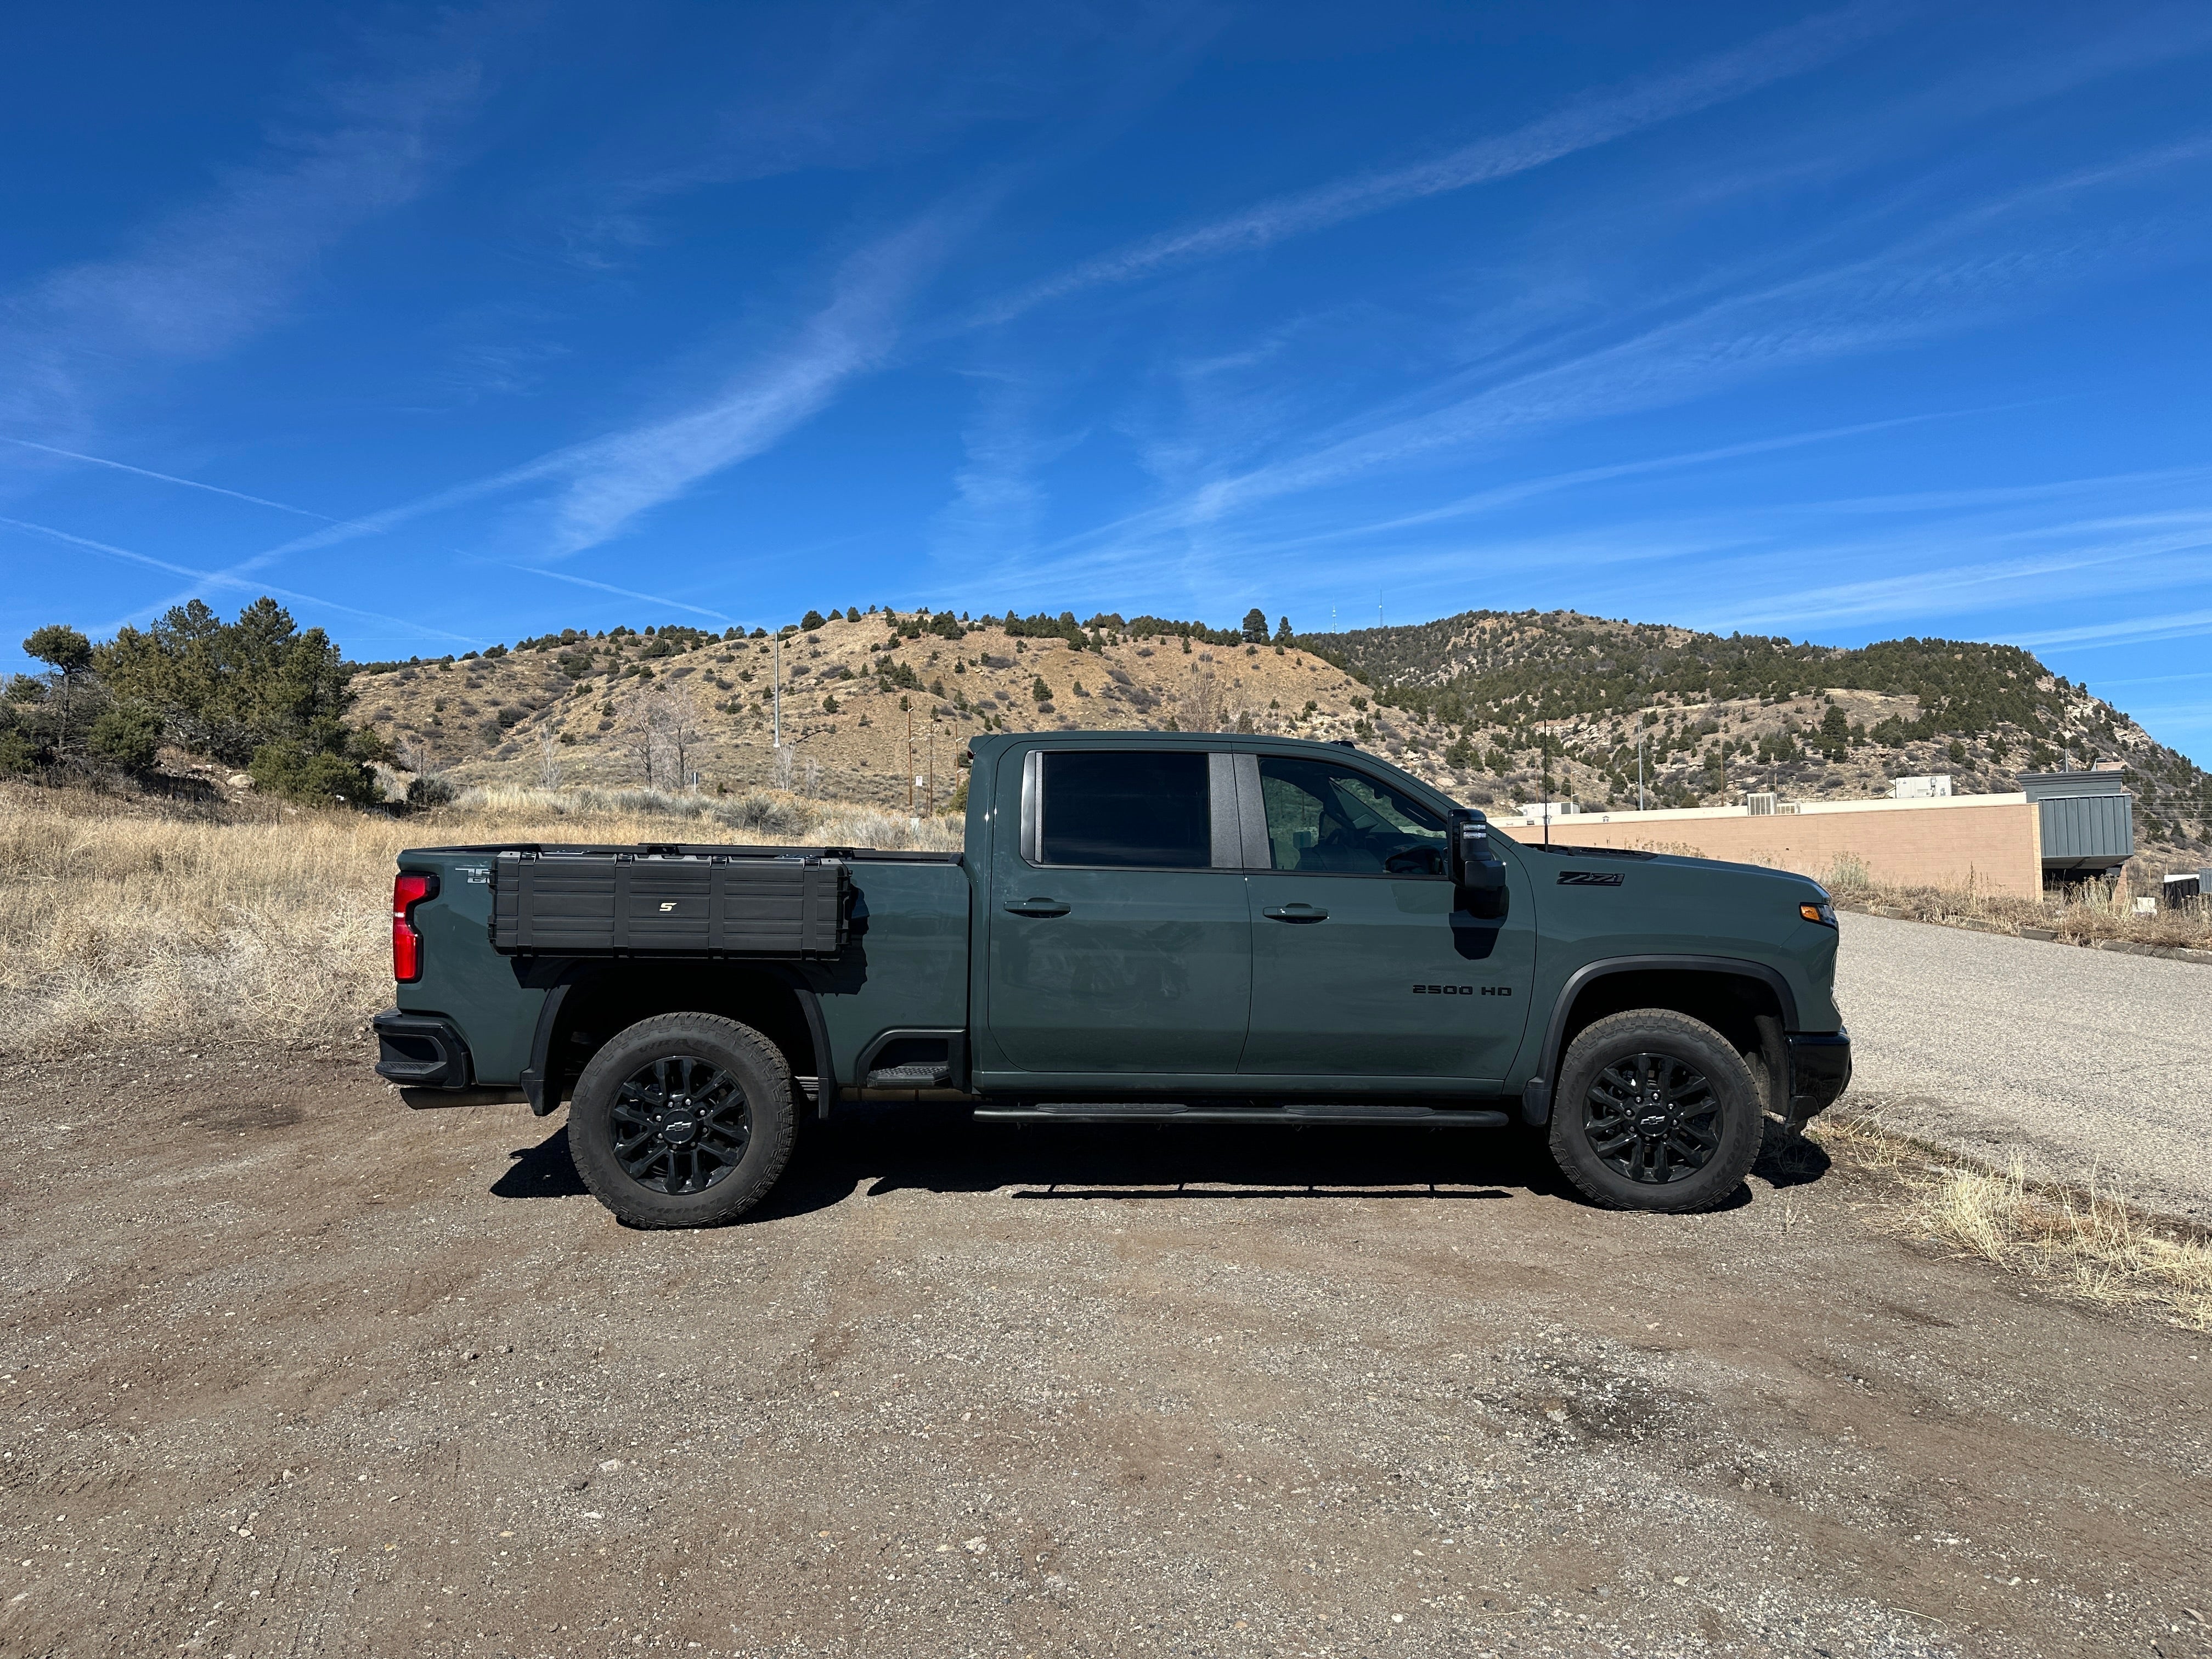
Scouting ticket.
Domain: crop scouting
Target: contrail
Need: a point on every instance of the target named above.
(222, 579)
(166, 477)
(626, 593)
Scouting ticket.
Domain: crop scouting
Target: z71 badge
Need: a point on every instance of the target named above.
(1590, 877)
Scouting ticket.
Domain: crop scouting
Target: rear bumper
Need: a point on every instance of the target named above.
(424, 1051)
(1820, 1070)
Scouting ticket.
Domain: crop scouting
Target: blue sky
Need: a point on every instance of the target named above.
(448, 326)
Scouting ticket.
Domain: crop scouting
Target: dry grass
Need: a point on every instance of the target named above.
(2095, 910)
(2087, 1243)
(120, 923)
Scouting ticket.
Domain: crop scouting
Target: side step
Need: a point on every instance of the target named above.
(1146, 1111)
(925, 1075)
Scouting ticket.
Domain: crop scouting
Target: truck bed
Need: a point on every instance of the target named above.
(893, 959)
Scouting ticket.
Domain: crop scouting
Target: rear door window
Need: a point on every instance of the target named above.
(1126, 807)
(1335, 820)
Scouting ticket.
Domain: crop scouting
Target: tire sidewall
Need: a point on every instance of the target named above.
(746, 1055)
(1697, 1044)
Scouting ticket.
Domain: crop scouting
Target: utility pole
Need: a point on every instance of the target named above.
(932, 766)
(909, 763)
(776, 740)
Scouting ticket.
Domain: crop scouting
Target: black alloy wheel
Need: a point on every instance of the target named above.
(1652, 1117)
(684, 1119)
(679, 1124)
(1656, 1110)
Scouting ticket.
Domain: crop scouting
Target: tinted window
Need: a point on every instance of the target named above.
(1332, 818)
(1126, 807)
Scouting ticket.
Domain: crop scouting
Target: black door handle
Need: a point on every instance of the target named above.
(1037, 907)
(1294, 913)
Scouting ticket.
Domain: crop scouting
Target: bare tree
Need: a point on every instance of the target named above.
(548, 759)
(783, 766)
(1203, 707)
(662, 730)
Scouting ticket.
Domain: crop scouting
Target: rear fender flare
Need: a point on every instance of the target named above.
(543, 1087)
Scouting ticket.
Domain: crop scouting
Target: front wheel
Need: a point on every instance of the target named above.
(1655, 1112)
(683, 1121)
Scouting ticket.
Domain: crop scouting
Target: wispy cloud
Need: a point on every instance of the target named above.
(999, 498)
(612, 480)
(2126, 631)
(208, 275)
(165, 477)
(607, 482)
(1583, 125)
(1935, 281)
(205, 579)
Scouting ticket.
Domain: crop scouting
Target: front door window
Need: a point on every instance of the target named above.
(1326, 819)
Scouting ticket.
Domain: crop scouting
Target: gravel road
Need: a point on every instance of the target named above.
(287, 1369)
(2076, 1061)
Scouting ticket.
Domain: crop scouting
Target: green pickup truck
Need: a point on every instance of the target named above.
(1143, 926)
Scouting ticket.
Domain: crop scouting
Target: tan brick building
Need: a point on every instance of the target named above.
(1990, 842)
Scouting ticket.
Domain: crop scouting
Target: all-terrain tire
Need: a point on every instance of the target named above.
(683, 1121)
(1656, 1110)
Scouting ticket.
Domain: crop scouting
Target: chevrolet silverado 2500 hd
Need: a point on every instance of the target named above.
(1147, 926)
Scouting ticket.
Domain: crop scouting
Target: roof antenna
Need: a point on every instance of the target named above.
(1544, 744)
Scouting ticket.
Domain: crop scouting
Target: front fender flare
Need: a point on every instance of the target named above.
(1536, 1093)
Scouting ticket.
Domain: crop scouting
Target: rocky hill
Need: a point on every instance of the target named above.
(1485, 704)
(869, 701)
(1714, 717)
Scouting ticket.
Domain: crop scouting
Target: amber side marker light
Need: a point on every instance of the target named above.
(1823, 913)
(408, 890)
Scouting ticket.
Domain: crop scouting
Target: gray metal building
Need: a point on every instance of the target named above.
(2088, 820)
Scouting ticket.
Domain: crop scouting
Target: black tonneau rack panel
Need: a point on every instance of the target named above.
(668, 901)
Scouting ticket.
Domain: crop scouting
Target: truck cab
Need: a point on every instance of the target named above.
(1149, 925)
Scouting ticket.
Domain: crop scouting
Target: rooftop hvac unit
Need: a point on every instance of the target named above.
(1762, 805)
(2088, 819)
(1934, 787)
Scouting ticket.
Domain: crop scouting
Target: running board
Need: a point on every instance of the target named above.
(1431, 1117)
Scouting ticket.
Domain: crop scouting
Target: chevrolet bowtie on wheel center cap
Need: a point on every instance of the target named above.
(1652, 1118)
(679, 1125)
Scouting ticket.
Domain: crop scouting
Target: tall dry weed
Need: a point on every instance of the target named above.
(122, 924)
(2090, 1242)
(2083, 914)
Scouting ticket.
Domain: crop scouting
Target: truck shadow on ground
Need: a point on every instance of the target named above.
(873, 1151)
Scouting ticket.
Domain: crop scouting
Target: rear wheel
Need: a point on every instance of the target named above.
(683, 1121)
(1655, 1112)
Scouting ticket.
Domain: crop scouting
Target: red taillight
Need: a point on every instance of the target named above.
(407, 891)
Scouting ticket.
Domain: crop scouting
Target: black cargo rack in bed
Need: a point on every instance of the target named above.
(665, 899)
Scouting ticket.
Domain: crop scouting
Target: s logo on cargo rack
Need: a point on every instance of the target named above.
(1590, 877)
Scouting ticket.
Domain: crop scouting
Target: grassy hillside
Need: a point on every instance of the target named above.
(867, 703)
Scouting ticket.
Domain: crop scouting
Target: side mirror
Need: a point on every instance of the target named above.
(1477, 873)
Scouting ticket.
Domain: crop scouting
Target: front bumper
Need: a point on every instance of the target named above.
(424, 1051)
(1820, 1070)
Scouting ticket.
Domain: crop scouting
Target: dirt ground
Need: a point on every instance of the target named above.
(291, 1368)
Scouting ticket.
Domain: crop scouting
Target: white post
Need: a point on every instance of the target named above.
(775, 676)
(1639, 774)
